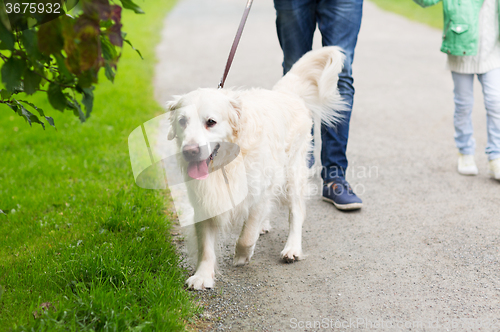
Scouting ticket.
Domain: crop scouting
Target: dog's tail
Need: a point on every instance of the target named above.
(314, 78)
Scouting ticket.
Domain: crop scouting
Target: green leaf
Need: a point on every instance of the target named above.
(31, 81)
(12, 72)
(1, 290)
(63, 70)
(106, 24)
(50, 121)
(88, 100)
(7, 39)
(70, 4)
(14, 107)
(75, 106)
(56, 97)
(108, 49)
(4, 18)
(128, 42)
(86, 78)
(30, 43)
(128, 4)
(39, 110)
(5, 94)
(110, 74)
(30, 117)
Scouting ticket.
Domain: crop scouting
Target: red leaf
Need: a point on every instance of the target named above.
(89, 45)
(97, 9)
(115, 35)
(72, 60)
(116, 13)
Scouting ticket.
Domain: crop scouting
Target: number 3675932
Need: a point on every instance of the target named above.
(27, 7)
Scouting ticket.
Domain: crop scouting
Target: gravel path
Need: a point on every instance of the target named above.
(424, 250)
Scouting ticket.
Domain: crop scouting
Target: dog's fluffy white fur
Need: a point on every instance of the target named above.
(273, 131)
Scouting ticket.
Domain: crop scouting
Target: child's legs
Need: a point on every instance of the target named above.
(491, 91)
(464, 102)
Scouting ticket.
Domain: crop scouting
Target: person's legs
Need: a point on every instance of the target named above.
(339, 22)
(491, 90)
(295, 24)
(464, 102)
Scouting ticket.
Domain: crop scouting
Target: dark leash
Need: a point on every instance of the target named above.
(226, 71)
(235, 43)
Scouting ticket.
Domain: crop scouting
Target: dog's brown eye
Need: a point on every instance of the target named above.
(182, 122)
(211, 122)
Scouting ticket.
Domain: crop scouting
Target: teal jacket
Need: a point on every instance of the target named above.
(461, 25)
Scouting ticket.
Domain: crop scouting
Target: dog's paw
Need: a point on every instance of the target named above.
(290, 255)
(266, 227)
(242, 255)
(198, 282)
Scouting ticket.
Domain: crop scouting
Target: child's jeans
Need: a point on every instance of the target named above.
(464, 102)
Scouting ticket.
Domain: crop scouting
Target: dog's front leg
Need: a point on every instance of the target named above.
(206, 233)
(250, 234)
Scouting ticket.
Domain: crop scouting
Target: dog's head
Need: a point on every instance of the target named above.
(200, 120)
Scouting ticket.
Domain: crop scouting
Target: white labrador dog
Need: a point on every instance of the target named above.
(273, 132)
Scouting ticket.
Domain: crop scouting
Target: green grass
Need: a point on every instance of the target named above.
(432, 16)
(79, 234)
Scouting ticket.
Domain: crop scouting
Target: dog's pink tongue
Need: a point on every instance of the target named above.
(198, 169)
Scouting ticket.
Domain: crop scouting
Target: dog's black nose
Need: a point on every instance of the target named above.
(191, 151)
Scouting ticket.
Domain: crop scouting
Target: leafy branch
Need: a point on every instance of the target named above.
(60, 55)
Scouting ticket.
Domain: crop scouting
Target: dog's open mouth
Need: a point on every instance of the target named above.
(199, 169)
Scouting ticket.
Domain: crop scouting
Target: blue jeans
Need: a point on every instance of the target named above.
(339, 22)
(464, 102)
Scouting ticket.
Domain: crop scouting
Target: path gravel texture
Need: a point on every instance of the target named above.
(423, 253)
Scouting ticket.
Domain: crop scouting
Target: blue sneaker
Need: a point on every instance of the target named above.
(340, 193)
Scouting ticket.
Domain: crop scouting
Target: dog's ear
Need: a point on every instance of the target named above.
(171, 132)
(173, 104)
(235, 114)
(171, 107)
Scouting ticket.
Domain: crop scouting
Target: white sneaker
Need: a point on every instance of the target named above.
(467, 165)
(495, 168)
